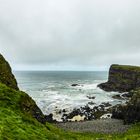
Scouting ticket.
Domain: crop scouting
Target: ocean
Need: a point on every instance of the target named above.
(53, 90)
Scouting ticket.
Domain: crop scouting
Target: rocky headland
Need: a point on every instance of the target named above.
(123, 78)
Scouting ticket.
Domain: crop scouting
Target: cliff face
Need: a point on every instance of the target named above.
(122, 78)
(26, 103)
(6, 76)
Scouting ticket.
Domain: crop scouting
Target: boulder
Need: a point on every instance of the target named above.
(74, 85)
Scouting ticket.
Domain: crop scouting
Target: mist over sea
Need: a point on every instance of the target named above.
(53, 90)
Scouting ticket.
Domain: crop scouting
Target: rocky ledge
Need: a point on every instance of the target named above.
(122, 78)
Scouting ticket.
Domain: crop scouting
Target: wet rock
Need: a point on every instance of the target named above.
(117, 97)
(64, 110)
(127, 95)
(89, 113)
(107, 104)
(90, 97)
(49, 118)
(74, 85)
(91, 103)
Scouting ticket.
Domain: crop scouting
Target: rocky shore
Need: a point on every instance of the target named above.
(123, 79)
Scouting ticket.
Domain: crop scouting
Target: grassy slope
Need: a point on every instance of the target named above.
(126, 67)
(16, 125)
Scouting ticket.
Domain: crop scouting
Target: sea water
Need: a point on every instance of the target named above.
(53, 90)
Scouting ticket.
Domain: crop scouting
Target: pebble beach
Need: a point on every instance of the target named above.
(105, 126)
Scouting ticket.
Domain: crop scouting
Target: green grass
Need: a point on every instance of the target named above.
(17, 125)
(126, 67)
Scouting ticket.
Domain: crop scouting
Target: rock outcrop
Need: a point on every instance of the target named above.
(6, 76)
(130, 112)
(122, 78)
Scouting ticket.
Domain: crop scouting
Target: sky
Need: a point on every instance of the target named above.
(70, 34)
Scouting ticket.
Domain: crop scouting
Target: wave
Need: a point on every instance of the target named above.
(54, 99)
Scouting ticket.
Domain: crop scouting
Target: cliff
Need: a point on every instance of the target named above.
(6, 76)
(122, 78)
(26, 103)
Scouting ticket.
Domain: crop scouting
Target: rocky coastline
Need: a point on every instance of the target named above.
(21, 118)
(121, 79)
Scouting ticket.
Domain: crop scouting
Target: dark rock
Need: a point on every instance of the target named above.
(127, 95)
(91, 103)
(90, 97)
(49, 118)
(64, 110)
(122, 78)
(117, 97)
(74, 85)
(106, 104)
(6, 76)
(118, 112)
(130, 112)
(90, 113)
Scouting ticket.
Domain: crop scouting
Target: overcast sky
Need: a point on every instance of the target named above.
(69, 34)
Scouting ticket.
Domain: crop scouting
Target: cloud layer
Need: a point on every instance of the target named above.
(70, 34)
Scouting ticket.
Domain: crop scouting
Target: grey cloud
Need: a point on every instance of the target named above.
(70, 34)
